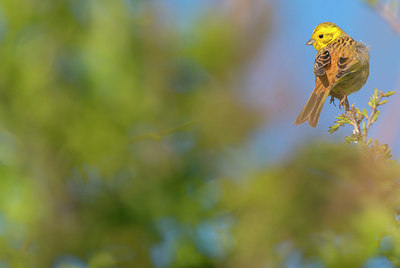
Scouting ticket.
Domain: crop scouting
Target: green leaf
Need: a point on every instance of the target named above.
(389, 93)
(347, 121)
(334, 128)
(343, 120)
(355, 138)
(365, 113)
(375, 117)
(383, 102)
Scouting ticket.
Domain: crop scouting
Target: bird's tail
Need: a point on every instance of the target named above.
(313, 107)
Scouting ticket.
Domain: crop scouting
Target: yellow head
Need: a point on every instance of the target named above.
(323, 34)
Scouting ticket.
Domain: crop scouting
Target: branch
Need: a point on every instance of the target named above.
(374, 115)
(355, 118)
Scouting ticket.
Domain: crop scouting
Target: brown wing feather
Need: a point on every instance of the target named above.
(323, 84)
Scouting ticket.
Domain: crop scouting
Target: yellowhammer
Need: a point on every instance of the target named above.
(341, 68)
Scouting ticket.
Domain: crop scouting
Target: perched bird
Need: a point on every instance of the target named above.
(341, 68)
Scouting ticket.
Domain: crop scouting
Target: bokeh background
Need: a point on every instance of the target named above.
(160, 133)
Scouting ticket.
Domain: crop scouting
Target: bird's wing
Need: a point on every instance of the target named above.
(321, 65)
(347, 62)
(322, 61)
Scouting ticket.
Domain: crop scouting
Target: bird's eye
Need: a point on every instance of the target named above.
(321, 35)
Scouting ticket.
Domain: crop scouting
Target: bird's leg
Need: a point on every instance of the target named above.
(332, 100)
(344, 103)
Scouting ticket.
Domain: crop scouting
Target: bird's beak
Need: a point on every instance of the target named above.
(310, 42)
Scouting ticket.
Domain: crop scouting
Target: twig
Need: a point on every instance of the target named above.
(371, 118)
(354, 119)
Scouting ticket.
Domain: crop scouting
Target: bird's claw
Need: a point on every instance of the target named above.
(344, 102)
(332, 100)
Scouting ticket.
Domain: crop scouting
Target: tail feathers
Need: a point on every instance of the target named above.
(312, 109)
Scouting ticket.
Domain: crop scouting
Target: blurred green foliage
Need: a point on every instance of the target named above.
(115, 131)
(331, 203)
(112, 123)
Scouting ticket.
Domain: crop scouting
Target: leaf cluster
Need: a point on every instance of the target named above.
(361, 121)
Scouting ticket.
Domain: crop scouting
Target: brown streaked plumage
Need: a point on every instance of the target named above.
(341, 68)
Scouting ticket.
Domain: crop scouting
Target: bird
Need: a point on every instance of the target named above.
(341, 68)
